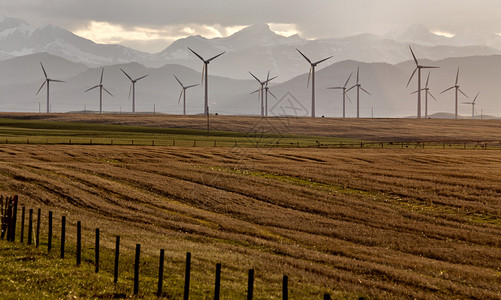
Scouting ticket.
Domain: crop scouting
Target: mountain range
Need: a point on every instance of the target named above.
(384, 62)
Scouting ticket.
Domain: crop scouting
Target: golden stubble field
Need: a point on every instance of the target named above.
(373, 223)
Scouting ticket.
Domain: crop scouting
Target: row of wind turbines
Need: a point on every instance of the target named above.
(264, 89)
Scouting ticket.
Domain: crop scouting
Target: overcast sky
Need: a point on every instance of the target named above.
(151, 25)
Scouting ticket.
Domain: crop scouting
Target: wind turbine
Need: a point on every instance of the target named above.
(183, 93)
(47, 81)
(266, 92)
(456, 86)
(472, 106)
(418, 69)
(262, 89)
(101, 88)
(205, 71)
(427, 92)
(359, 87)
(344, 94)
(312, 74)
(133, 88)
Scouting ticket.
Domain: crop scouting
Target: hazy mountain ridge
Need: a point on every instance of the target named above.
(255, 48)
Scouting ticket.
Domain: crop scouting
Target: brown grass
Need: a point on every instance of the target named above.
(411, 130)
(372, 223)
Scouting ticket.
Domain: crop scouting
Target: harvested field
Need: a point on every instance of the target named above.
(354, 223)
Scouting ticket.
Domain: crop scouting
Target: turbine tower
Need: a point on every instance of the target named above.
(472, 106)
(312, 75)
(344, 94)
(427, 92)
(183, 93)
(205, 71)
(359, 87)
(101, 88)
(456, 86)
(133, 88)
(47, 81)
(418, 69)
(262, 89)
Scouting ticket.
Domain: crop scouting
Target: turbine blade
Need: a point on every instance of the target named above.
(130, 90)
(255, 77)
(190, 86)
(203, 73)
(255, 91)
(335, 88)
(212, 58)
(348, 79)
(429, 67)
(431, 95)
(457, 77)
(350, 88)
(180, 95)
(107, 91)
(268, 77)
(427, 80)
(408, 82)
(178, 80)
(102, 72)
(307, 59)
(91, 88)
(268, 80)
(358, 72)
(142, 77)
(414, 56)
(54, 80)
(413, 93)
(309, 76)
(126, 74)
(41, 87)
(463, 93)
(346, 94)
(321, 61)
(201, 58)
(272, 94)
(365, 90)
(448, 89)
(43, 69)
(475, 98)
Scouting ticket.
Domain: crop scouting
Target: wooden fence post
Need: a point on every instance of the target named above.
(187, 277)
(63, 234)
(79, 243)
(30, 227)
(49, 237)
(136, 269)
(250, 285)
(117, 253)
(23, 212)
(160, 273)
(14, 219)
(37, 240)
(285, 288)
(96, 251)
(217, 287)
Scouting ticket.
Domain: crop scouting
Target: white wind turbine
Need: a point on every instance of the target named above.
(133, 88)
(101, 88)
(472, 103)
(312, 75)
(183, 93)
(205, 71)
(344, 94)
(418, 69)
(456, 86)
(427, 92)
(359, 87)
(47, 81)
(262, 90)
